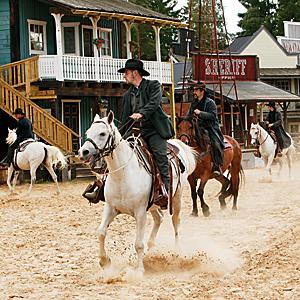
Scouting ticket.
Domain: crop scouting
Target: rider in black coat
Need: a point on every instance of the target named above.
(206, 111)
(274, 120)
(24, 132)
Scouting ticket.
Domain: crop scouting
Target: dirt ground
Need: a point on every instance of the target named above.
(49, 248)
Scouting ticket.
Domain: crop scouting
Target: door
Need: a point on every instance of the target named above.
(88, 42)
(71, 118)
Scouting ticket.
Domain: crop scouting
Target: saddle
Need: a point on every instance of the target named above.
(21, 148)
(94, 192)
(158, 187)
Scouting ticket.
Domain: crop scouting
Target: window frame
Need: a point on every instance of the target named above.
(99, 29)
(76, 32)
(40, 23)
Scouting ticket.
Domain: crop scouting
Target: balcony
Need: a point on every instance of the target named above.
(99, 69)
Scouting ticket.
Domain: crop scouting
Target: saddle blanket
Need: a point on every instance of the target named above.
(227, 144)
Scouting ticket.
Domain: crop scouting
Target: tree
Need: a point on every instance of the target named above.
(258, 13)
(144, 35)
(287, 10)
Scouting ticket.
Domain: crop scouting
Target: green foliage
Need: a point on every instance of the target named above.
(258, 13)
(269, 13)
(144, 36)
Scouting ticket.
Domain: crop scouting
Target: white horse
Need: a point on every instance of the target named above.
(267, 148)
(35, 154)
(128, 184)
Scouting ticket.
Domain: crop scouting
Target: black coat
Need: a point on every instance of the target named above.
(24, 130)
(208, 117)
(275, 118)
(150, 106)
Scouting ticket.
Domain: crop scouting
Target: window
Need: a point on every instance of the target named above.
(107, 45)
(294, 128)
(70, 38)
(283, 84)
(37, 37)
(176, 37)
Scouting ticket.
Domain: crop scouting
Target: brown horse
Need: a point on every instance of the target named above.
(196, 137)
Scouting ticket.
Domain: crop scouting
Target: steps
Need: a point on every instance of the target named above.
(84, 172)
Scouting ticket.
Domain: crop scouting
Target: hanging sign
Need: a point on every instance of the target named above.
(208, 67)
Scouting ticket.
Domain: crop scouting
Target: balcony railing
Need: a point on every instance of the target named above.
(100, 69)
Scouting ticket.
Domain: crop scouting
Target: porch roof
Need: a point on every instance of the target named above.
(118, 9)
(255, 91)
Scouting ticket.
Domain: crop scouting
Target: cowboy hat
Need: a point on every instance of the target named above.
(198, 85)
(19, 111)
(271, 104)
(134, 64)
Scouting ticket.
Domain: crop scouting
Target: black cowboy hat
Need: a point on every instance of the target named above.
(19, 111)
(271, 104)
(198, 85)
(134, 64)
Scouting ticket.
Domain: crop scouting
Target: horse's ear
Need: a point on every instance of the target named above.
(96, 118)
(110, 117)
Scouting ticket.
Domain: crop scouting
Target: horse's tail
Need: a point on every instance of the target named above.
(56, 157)
(192, 156)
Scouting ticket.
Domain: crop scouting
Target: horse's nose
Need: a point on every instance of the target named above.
(85, 152)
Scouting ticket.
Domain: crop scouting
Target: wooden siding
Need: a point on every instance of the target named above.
(5, 57)
(36, 10)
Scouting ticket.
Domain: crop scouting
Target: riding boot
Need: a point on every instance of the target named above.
(161, 195)
(279, 153)
(216, 171)
(7, 160)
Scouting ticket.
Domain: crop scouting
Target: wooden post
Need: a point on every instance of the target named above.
(172, 99)
(128, 38)
(27, 78)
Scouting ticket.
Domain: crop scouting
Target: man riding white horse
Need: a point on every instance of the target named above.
(142, 102)
(24, 132)
(274, 123)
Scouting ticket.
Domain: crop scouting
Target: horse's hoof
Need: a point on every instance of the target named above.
(223, 206)
(194, 214)
(234, 208)
(206, 213)
(105, 262)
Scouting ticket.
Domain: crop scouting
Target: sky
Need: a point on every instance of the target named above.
(231, 10)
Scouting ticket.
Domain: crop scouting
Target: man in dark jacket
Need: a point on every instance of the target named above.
(206, 111)
(142, 102)
(24, 132)
(274, 120)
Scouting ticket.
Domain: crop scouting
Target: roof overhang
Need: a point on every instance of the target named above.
(254, 91)
(129, 18)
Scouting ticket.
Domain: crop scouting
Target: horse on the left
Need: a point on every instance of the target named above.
(128, 185)
(34, 154)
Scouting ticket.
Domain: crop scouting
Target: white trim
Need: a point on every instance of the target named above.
(109, 30)
(99, 29)
(76, 31)
(44, 24)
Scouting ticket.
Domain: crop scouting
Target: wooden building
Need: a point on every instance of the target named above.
(51, 66)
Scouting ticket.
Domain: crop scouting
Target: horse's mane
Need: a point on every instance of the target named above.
(263, 124)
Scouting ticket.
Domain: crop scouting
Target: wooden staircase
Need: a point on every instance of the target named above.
(15, 87)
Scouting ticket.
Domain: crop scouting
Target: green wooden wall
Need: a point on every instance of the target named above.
(37, 10)
(5, 57)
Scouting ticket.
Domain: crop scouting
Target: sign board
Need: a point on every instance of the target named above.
(290, 45)
(240, 67)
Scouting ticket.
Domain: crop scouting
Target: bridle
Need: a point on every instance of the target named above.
(109, 146)
(258, 134)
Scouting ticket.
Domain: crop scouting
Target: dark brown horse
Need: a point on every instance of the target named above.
(196, 137)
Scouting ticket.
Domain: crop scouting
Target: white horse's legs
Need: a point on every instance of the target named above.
(141, 218)
(268, 162)
(157, 216)
(109, 213)
(53, 175)
(289, 160)
(280, 166)
(33, 169)
(14, 182)
(8, 181)
(176, 206)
